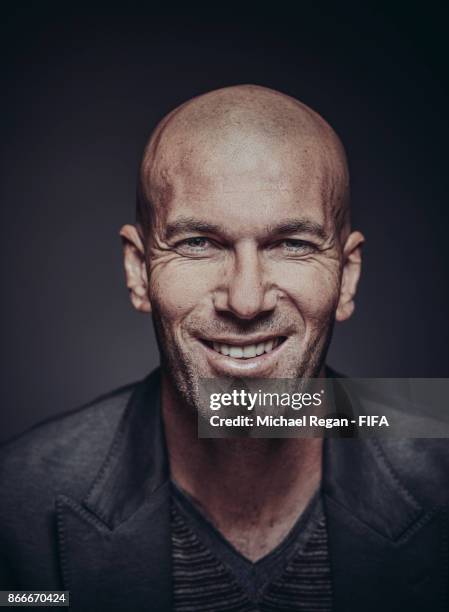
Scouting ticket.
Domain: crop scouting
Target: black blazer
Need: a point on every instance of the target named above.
(84, 506)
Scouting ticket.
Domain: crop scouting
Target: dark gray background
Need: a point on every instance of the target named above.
(83, 89)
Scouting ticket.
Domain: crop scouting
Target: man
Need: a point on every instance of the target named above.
(244, 255)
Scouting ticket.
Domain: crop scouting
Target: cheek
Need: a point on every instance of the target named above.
(313, 288)
(179, 288)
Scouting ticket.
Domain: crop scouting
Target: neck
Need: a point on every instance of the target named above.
(253, 490)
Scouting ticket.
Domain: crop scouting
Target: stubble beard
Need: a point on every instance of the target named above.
(183, 375)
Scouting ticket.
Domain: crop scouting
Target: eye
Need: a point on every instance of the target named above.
(294, 245)
(196, 244)
(199, 242)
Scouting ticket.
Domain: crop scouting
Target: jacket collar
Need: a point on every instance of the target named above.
(356, 465)
(136, 465)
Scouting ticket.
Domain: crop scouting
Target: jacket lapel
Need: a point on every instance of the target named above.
(387, 551)
(115, 547)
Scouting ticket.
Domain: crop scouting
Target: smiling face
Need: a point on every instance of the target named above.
(243, 264)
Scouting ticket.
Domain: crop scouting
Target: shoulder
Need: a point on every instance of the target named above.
(63, 453)
(61, 456)
(421, 464)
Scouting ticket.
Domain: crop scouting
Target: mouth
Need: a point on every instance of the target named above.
(238, 356)
(245, 350)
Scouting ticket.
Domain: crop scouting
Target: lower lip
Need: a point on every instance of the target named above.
(261, 365)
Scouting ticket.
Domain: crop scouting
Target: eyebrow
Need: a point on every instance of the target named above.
(293, 226)
(289, 226)
(191, 224)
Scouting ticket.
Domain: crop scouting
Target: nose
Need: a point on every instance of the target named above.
(244, 291)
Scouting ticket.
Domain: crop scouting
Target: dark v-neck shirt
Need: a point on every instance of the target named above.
(209, 574)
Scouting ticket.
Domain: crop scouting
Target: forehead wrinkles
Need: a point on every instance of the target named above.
(196, 150)
(306, 179)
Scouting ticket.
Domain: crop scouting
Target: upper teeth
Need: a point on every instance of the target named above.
(248, 350)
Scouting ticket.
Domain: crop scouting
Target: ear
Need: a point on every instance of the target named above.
(352, 265)
(135, 268)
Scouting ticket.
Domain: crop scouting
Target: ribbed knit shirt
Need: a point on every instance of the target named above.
(209, 574)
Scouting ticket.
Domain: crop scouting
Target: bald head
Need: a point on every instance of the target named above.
(248, 130)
